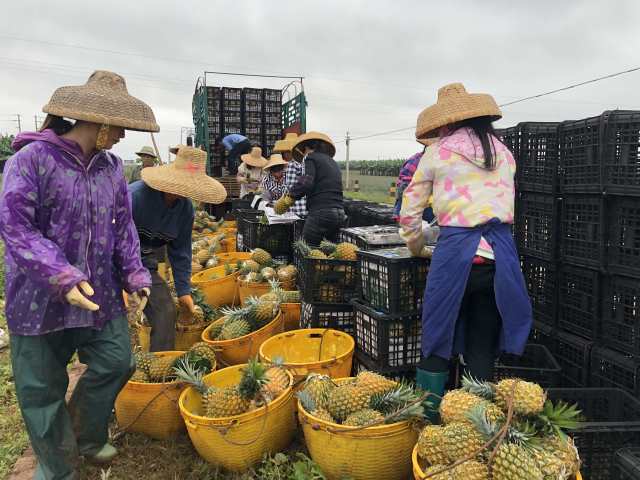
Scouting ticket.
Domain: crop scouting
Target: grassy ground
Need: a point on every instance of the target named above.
(372, 189)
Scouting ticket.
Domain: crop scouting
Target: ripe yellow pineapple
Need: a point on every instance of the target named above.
(346, 251)
(250, 266)
(363, 417)
(513, 462)
(318, 387)
(345, 400)
(161, 368)
(283, 204)
(322, 414)
(224, 402)
(528, 399)
(204, 350)
(374, 383)
(446, 475)
(202, 256)
(565, 450)
(460, 440)
(430, 445)
(471, 470)
(317, 254)
(455, 405)
(278, 380)
(140, 376)
(237, 329)
(261, 256)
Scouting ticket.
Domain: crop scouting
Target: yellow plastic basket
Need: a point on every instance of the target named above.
(219, 291)
(312, 350)
(232, 257)
(187, 335)
(151, 408)
(236, 443)
(375, 453)
(229, 244)
(418, 473)
(230, 224)
(240, 350)
(291, 312)
(251, 289)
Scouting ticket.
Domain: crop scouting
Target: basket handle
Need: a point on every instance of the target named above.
(191, 425)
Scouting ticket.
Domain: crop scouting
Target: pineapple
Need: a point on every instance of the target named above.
(456, 405)
(430, 445)
(550, 464)
(317, 254)
(318, 387)
(228, 269)
(224, 402)
(514, 462)
(446, 475)
(322, 414)
(161, 369)
(470, 470)
(346, 251)
(310, 406)
(278, 379)
(460, 440)
(374, 383)
(287, 274)
(206, 351)
(202, 256)
(399, 404)
(236, 329)
(215, 330)
(302, 248)
(261, 312)
(327, 247)
(283, 204)
(528, 399)
(346, 399)
(271, 297)
(143, 360)
(364, 417)
(250, 266)
(563, 449)
(254, 379)
(139, 376)
(261, 256)
(268, 273)
(291, 296)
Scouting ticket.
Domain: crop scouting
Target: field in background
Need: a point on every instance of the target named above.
(372, 188)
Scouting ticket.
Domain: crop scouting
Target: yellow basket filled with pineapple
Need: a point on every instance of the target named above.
(205, 224)
(479, 439)
(258, 271)
(237, 336)
(218, 284)
(288, 299)
(313, 350)
(148, 403)
(238, 414)
(232, 257)
(360, 428)
(189, 327)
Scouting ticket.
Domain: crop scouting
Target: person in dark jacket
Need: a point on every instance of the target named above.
(321, 184)
(163, 214)
(236, 145)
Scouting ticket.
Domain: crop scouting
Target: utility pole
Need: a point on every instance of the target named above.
(19, 124)
(347, 142)
(35, 120)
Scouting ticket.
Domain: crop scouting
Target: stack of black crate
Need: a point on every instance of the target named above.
(214, 126)
(272, 119)
(252, 112)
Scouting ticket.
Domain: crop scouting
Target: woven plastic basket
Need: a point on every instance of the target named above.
(313, 350)
(219, 291)
(236, 443)
(239, 350)
(251, 289)
(291, 313)
(187, 335)
(151, 408)
(375, 453)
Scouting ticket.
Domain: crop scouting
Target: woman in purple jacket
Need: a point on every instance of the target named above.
(71, 248)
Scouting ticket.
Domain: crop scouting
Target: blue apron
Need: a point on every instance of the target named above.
(447, 281)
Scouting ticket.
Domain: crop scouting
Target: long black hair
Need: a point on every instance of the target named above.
(483, 128)
(58, 124)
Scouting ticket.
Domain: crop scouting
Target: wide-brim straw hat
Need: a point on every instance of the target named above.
(274, 160)
(186, 176)
(306, 137)
(104, 99)
(454, 105)
(254, 158)
(146, 151)
(286, 144)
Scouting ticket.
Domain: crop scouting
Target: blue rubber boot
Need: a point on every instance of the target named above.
(433, 382)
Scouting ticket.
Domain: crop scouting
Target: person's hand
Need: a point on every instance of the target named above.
(77, 297)
(425, 252)
(187, 303)
(140, 298)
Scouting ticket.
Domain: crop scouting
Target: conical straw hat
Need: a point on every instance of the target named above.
(305, 137)
(186, 177)
(454, 105)
(104, 100)
(254, 158)
(146, 150)
(275, 159)
(286, 144)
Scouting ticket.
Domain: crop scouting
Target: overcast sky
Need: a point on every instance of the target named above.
(370, 66)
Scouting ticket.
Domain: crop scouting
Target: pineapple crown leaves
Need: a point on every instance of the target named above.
(520, 432)
(198, 362)
(301, 247)
(210, 313)
(234, 314)
(328, 247)
(307, 401)
(483, 389)
(253, 379)
(187, 371)
(399, 404)
(555, 419)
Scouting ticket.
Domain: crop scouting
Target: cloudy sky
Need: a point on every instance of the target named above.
(369, 66)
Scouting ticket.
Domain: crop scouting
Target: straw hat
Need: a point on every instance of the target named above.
(104, 100)
(146, 151)
(454, 105)
(186, 176)
(254, 158)
(286, 144)
(305, 137)
(275, 159)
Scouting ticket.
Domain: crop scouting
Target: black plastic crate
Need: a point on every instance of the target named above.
(390, 341)
(231, 94)
(537, 225)
(541, 279)
(374, 237)
(538, 157)
(298, 228)
(392, 280)
(543, 334)
(328, 280)
(580, 154)
(582, 230)
(511, 138)
(620, 155)
(573, 354)
(335, 316)
(362, 362)
(271, 95)
(612, 421)
(252, 94)
(621, 314)
(627, 464)
(624, 236)
(275, 239)
(579, 301)
(536, 364)
(612, 369)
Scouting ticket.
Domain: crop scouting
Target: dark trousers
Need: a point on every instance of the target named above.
(482, 323)
(161, 315)
(59, 434)
(233, 157)
(321, 224)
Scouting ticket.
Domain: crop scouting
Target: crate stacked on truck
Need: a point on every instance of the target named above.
(578, 233)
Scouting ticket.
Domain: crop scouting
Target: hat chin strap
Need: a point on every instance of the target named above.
(103, 137)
